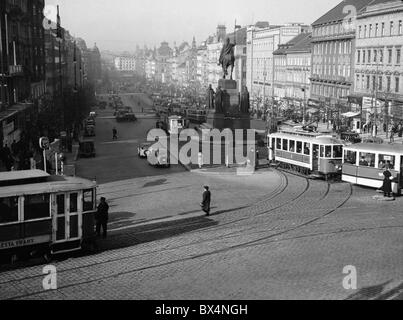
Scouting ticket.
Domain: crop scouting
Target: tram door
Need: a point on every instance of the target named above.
(67, 217)
(315, 158)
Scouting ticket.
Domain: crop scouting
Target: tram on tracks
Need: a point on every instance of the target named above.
(305, 152)
(364, 164)
(43, 214)
(198, 116)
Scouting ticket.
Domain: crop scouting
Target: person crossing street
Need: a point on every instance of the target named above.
(102, 218)
(206, 201)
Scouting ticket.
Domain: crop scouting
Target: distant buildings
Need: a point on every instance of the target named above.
(261, 44)
(125, 64)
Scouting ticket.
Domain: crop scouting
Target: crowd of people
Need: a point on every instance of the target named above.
(17, 156)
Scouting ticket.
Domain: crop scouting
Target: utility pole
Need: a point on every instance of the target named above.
(3, 101)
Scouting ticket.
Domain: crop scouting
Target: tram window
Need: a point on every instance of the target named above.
(386, 160)
(307, 149)
(273, 142)
(350, 157)
(36, 207)
(60, 203)
(8, 210)
(278, 146)
(73, 202)
(337, 151)
(299, 147)
(88, 200)
(328, 151)
(292, 146)
(285, 144)
(322, 151)
(367, 159)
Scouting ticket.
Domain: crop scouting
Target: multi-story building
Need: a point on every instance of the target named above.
(164, 53)
(214, 47)
(22, 67)
(262, 41)
(125, 64)
(292, 70)
(333, 48)
(378, 59)
(151, 67)
(201, 69)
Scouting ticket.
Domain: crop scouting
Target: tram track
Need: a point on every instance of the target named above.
(258, 241)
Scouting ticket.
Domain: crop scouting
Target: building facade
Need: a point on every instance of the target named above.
(261, 43)
(378, 59)
(125, 64)
(22, 67)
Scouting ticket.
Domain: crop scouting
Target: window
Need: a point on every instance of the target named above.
(358, 56)
(370, 31)
(376, 29)
(328, 151)
(397, 84)
(391, 28)
(299, 147)
(337, 151)
(363, 56)
(386, 160)
(367, 159)
(398, 56)
(383, 29)
(375, 55)
(307, 149)
(285, 144)
(350, 157)
(368, 82)
(60, 200)
(8, 210)
(365, 31)
(380, 83)
(359, 31)
(369, 56)
(389, 56)
(400, 27)
(292, 146)
(36, 207)
(88, 199)
(381, 55)
(373, 83)
(388, 86)
(73, 202)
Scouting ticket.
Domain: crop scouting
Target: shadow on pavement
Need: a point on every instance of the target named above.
(377, 293)
(134, 235)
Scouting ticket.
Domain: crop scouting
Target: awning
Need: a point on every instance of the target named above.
(351, 114)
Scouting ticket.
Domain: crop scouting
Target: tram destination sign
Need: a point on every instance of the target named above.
(23, 242)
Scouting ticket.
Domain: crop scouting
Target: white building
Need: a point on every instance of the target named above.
(261, 43)
(125, 63)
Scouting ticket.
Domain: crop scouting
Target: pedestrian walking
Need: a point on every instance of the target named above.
(101, 218)
(206, 200)
(392, 136)
(115, 134)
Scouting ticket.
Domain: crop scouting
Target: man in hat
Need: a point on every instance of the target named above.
(206, 200)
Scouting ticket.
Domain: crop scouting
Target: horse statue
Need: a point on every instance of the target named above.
(227, 58)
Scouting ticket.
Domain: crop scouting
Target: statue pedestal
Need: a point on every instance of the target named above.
(231, 96)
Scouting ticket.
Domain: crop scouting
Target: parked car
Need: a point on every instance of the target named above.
(143, 148)
(86, 148)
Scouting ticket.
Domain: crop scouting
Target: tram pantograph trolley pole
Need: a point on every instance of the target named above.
(44, 145)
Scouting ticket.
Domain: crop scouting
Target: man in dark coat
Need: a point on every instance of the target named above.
(101, 218)
(206, 200)
(387, 182)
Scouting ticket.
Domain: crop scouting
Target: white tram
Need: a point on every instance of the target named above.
(364, 164)
(306, 152)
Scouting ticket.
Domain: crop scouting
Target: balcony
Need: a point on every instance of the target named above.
(15, 70)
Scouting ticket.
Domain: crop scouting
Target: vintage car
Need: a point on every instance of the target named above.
(86, 148)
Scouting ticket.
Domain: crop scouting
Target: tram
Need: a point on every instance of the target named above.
(364, 164)
(306, 152)
(45, 214)
(197, 115)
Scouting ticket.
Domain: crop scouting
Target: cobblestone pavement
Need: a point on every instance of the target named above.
(293, 244)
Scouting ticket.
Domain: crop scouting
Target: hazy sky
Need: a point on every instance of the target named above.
(121, 24)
